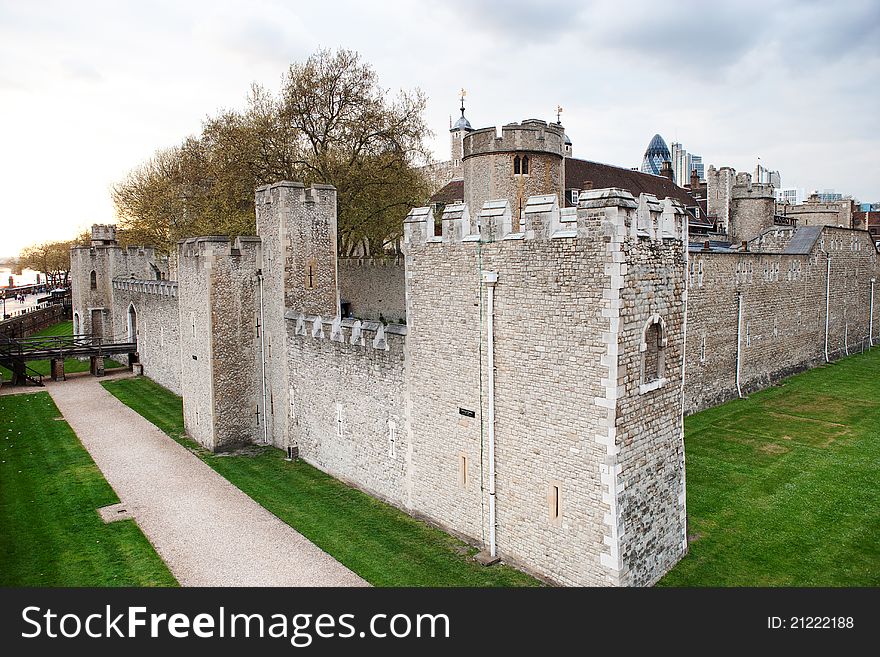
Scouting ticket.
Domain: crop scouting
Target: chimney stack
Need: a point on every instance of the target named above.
(666, 170)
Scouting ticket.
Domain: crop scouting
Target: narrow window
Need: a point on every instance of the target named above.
(652, 353)
(703, 349)
(463, 470)
(748, 335)
(700, 275)
(525, 165)
(271, 404)
(554, 502)
(392, 439)
(310, 276)
(192, 317)
(339, 427)
(93, 280)
(516, 165)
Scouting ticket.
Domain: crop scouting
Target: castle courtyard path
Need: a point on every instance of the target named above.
(206, 530)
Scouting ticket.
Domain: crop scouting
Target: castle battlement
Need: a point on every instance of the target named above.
(347, 330)
(532, 135)
(216, 246)
(103, 235)
(647, 218)
(296, 191)
(159, 288)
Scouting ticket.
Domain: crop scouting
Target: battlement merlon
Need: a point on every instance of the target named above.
(217, 246)
(104, 235)
(363, 333)
(647, 218)
(292, 191)
(532, 135)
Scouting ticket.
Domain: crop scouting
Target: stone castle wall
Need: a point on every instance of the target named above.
(93, 307)
(553, 415)
(588, 303)
(783, 313)
(158, 326)
(347, 394)
(373, 288)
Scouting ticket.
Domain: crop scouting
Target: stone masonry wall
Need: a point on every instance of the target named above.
(158, 326)
(108, 262)
(348, 414)
(650, 484)
(373, 288)
(551, 322)
(783, 307)
(219, 349)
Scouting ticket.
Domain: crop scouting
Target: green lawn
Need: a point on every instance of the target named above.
(71, 365)
(378, 542)
(50, 531)
(784, 487)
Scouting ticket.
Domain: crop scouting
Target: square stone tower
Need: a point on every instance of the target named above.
(578, 400)
(219, 346)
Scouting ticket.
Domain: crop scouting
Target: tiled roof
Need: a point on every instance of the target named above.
(451, 192)
(577, 172)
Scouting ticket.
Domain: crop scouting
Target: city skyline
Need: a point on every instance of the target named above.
(90, 91)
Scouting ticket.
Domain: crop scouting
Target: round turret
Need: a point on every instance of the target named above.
(526, 160)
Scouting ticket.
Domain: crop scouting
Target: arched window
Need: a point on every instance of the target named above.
(653, 352)
(516, 165)
(525, 165)
(93, 280)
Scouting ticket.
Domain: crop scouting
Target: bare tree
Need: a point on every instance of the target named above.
(331, 122)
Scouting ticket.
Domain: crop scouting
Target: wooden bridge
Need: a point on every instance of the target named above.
(16, 352)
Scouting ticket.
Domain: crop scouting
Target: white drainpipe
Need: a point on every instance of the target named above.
(739, 323)
(263, 360)
(871, 317)
(827, 304)
(490, 278)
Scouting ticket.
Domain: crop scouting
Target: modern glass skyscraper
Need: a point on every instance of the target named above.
(655, 156)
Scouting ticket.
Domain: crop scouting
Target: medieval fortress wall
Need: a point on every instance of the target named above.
(756, 317)
(564, 344)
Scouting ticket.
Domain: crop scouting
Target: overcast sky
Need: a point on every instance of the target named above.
(90, 89)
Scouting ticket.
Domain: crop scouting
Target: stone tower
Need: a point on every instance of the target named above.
(219, 340)
(752, 207)
(298, 274)
(577, 386)
(92, 271)
(528, 159)
(719, 190)
(459, 130)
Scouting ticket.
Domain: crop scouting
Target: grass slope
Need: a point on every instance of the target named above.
(71, 365)
(378, 542)
(50, 532)
(784, 487)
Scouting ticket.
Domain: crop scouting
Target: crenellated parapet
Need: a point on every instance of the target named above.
(542, 218)
(367, 334)
(532, 135)
(158, 288)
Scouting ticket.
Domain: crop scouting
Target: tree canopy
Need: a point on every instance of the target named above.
(51, 258)
(330, 122)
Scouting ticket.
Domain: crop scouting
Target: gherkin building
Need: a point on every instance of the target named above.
(656, 154)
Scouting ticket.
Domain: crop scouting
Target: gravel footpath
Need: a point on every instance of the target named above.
(207, 531)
